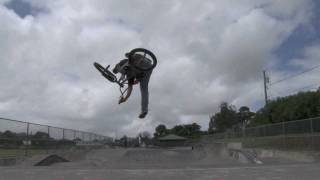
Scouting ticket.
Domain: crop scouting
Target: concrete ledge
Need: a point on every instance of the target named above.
(290, 155)
(234, 145)
(10, 161)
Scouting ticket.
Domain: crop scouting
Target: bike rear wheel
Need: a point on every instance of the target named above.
(146, 54)
(105, 72)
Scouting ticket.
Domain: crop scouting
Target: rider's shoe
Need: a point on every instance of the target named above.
(143, 114)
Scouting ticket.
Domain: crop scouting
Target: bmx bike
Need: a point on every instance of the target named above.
(123, 80)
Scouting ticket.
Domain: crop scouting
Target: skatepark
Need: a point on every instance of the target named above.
(160, 90)
(203, 161)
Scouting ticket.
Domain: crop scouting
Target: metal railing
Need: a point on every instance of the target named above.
(18, 138)
(290, 134)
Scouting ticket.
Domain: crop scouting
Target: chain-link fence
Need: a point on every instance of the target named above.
(299, 134)
(18, 138)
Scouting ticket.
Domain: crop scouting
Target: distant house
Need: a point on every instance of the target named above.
(172, 140)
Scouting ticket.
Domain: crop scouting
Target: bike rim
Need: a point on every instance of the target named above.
(144, 53)
(101, 69)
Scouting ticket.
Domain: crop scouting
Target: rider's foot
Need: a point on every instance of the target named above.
(143, 114)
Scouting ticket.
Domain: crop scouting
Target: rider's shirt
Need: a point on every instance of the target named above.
(141, 61)
(133, 73)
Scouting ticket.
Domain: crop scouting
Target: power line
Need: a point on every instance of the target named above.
(272, 96)
(275, 93)
(306, 87)
(295, 75)
(309, 87)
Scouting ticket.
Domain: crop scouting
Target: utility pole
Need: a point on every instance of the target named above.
(265, 81)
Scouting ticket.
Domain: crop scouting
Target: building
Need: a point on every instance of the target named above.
(172, 140)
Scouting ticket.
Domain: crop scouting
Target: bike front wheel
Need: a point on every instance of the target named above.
(105, 72)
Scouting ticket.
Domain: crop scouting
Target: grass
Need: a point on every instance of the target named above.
(20, 152)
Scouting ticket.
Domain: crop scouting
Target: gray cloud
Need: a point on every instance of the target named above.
(208, 52)
(24, 8)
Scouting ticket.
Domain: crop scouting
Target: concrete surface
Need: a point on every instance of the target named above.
(202, 163)
(285, 172)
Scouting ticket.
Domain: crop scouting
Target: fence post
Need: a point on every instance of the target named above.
(48, 143)
(82, 136)
(284, 135)
(27, 140)
(311, 126)
(74, 134)
(311, 133)
(63, 134)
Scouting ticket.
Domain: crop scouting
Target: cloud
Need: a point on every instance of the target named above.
(24, 8)
(208, 52)
(302, 77)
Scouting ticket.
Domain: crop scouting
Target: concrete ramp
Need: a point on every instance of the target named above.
(52, 159)
(228, 152)
(159, 155)
(208, 155)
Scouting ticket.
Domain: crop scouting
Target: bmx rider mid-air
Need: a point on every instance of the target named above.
(136, 76)
(136, 68)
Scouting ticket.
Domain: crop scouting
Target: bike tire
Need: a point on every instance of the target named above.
(146, 51)
(105, 73)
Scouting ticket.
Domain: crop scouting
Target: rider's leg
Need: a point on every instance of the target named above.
(144, 92)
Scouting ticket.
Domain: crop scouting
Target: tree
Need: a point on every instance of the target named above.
(145, 137)
(145, 134)
(41, 135)
(299, 106)
(178, 130)
(244, 116)
(192, 129)
(124, 141)
(161, 130)
(77, 139)
(211, 128)
(195, 127)
(187, 130)
(225, 119)
(9, 134)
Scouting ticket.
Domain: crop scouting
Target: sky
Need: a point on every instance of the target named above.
(208, 52)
